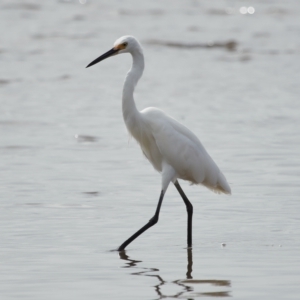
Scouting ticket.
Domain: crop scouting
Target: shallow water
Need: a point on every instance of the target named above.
(74, 186)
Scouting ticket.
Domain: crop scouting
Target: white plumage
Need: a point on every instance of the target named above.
(168, 144)
(171, 148)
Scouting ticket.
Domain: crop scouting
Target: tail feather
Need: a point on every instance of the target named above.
(221, 186)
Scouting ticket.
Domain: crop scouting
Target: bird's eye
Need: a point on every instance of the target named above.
(125, 44)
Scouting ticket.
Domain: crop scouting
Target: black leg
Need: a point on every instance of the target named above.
(151, 222)
(190, 264)
(189, 209)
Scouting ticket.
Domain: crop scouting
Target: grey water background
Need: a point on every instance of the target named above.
(74, 186)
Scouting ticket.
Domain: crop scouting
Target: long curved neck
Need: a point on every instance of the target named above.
(130, 111)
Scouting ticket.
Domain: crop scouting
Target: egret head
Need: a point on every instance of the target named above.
(125, 44)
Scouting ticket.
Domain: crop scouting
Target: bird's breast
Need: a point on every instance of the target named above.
(143, 135)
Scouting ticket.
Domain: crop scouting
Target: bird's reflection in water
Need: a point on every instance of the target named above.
(186, 285)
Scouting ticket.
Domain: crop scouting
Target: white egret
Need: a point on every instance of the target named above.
(171, 148)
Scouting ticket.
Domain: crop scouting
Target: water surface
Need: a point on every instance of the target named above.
(74, 186)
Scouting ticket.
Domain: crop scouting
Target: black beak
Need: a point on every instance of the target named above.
(109, 53)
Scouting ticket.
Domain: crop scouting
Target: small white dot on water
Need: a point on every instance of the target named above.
(251, 10)
(243, 10)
